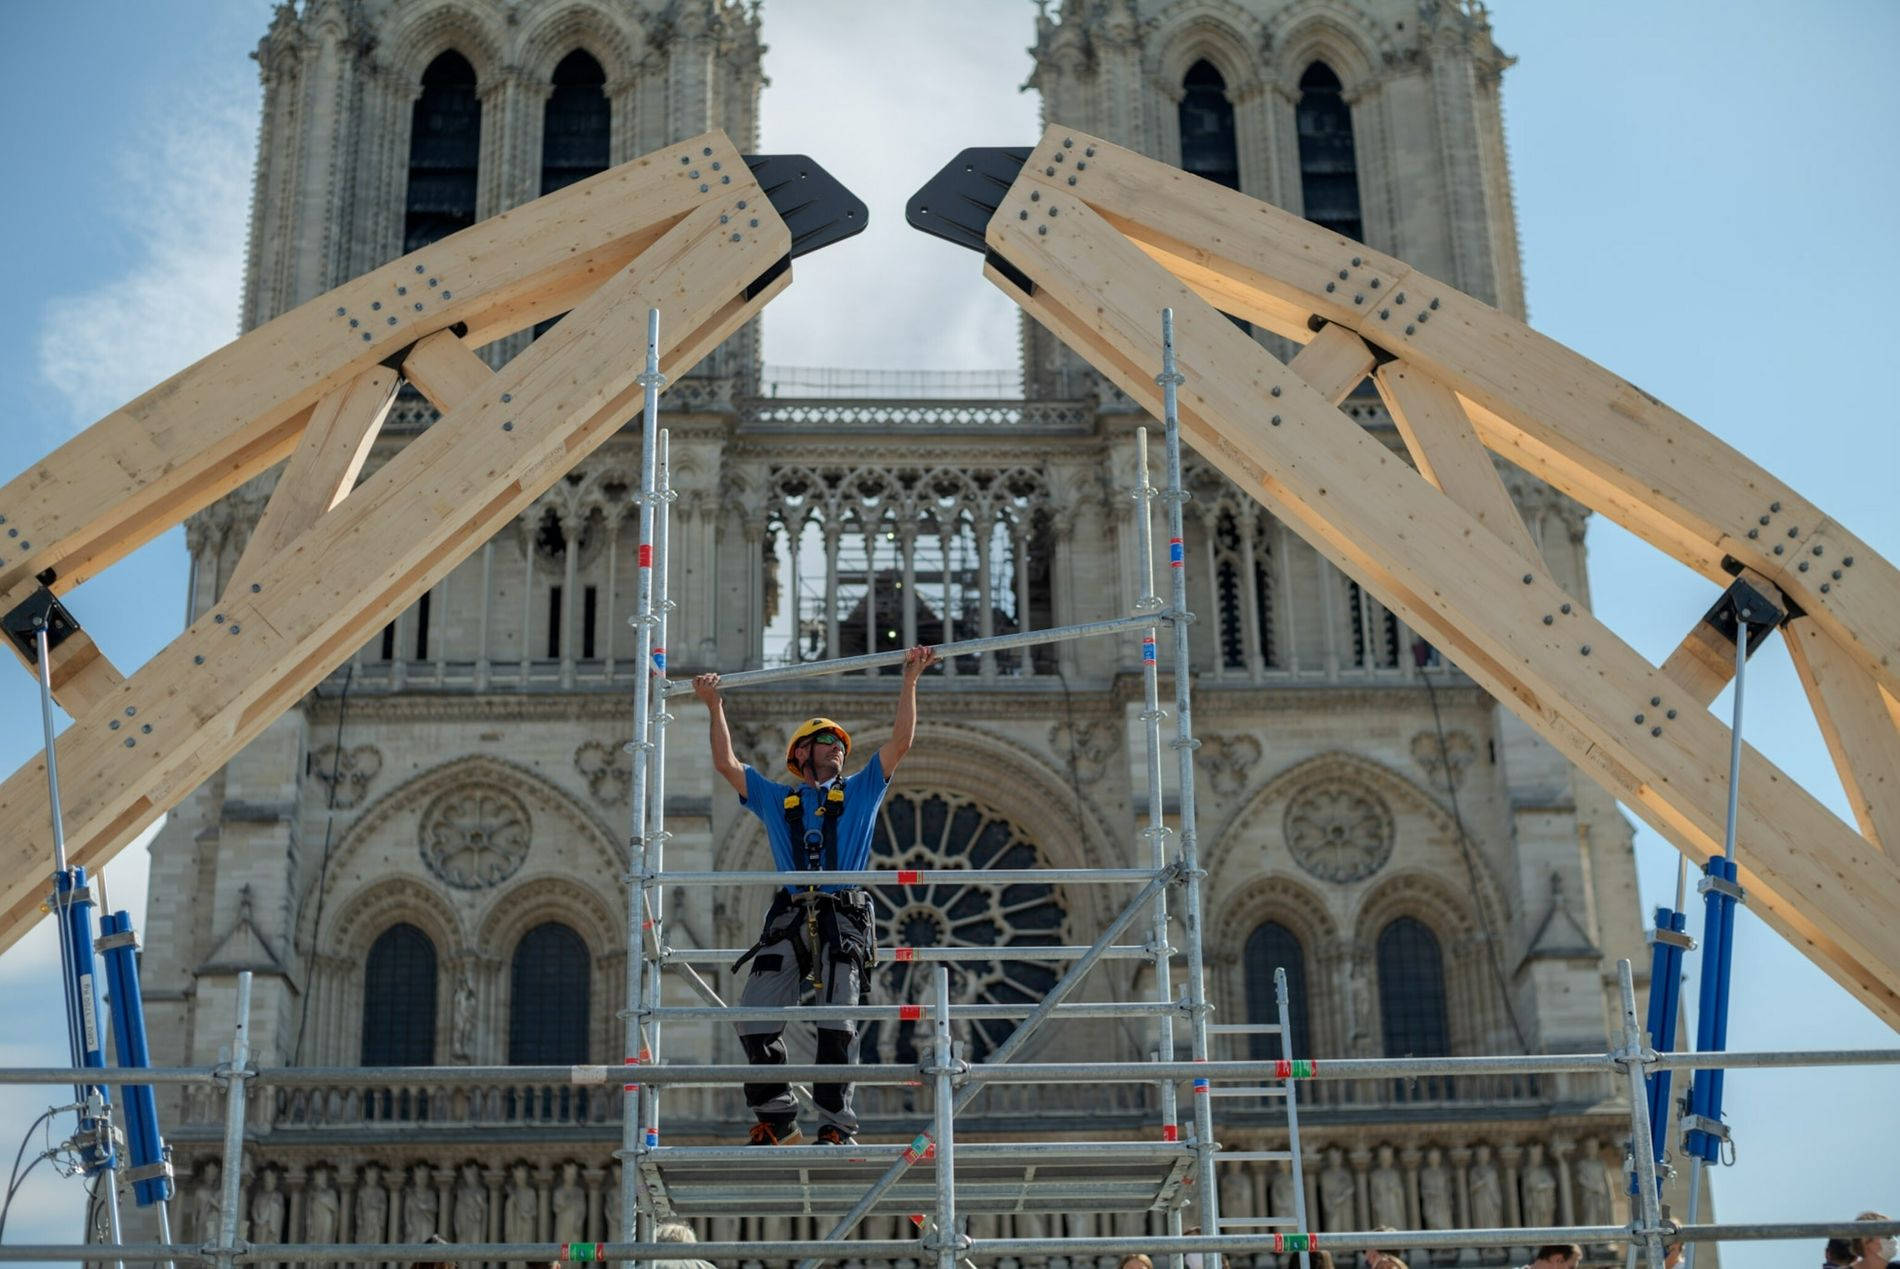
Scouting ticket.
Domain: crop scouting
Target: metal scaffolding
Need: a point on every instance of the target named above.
(848, 1183)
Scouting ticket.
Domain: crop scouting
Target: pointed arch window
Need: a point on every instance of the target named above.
(1329, 171)
(1208, 146)
(1412, 1011)
(1272, 946)
(445, 139)
(575, 124)
(1375, 631)
(547, 1025)
(399, 979)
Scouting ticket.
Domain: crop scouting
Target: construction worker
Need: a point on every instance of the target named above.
(824, 936)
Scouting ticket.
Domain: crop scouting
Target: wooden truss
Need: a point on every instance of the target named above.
(1094, 241)
(696, 230)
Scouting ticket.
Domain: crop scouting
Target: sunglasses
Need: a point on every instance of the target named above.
(825, 738)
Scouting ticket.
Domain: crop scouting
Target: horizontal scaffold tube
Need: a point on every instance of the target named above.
(904, 1013)
(1001, 951)
(982, 1073)
(961, 647)
(909, 877)
(967, 1151)
(893, 1249)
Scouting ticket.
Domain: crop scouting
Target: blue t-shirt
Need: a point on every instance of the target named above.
(863, 794)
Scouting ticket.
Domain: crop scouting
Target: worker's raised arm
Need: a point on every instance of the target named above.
(725, 762)
(904, 730)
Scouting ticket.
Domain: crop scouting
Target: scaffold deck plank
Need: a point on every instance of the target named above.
(990, 1178)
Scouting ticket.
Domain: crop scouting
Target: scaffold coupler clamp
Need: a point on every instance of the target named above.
(1702, 1123)
(1722, 885)
(1674, 938)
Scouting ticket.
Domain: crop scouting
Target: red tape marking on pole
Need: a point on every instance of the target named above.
(646, 555)
(908, 877)
(904, 953)
(910, 1013)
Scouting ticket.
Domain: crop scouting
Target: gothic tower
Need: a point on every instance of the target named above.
(422, 863)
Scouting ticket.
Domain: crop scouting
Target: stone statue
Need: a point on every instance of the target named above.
(1336, 1191)
(1539, 1187)
(1280, 1192)
(1388, 1193)
(420, 1207)
(267, 1209)
(372, 1208)
(570, 1206)
(469, 1217)
(207, 1210)
(1593, 1187)
(320, 1205)
(611, 1201)
(463, 1014)
(522, 1206)
(1487, 1192)
(1434, 1191)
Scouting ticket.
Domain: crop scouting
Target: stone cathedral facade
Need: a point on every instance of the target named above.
(421, 863)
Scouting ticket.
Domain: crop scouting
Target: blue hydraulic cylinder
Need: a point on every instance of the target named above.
(142, 1138)
(1665, 1002)
(1718, 931)
(72, 904)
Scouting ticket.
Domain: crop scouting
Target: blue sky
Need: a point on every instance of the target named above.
(1705, 196)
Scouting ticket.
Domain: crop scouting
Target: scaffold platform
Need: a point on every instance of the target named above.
(992, 1178)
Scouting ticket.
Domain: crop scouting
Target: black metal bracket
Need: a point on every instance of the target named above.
(813, 203)
(1763, 615)
(40, 610)
(956, 204)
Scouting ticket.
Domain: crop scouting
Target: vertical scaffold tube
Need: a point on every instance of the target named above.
(1179, 618)
(1281, 998)
(1721, 890)
(656, 834)
(1156, 833)
(1647, 1209)
(632, 1130)
(233, 1178)
(946, 1094)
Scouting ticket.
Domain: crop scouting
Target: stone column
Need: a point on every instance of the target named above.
(1361, 1159)
(1509, 1157)
(1560, 1151)
(1409, 1159)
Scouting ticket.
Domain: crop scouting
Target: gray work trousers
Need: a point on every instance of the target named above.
(775, 982)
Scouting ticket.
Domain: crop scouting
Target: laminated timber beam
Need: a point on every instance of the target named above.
(1094, 241)
(696, 230)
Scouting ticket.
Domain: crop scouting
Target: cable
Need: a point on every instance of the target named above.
(323, 867)
(17, 1178)
(1466, 850)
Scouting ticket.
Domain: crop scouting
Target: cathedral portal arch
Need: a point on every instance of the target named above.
(612, 36)
(456, 25)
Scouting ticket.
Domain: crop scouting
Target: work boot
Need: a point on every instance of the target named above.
(832, 1135)
(764, 1134)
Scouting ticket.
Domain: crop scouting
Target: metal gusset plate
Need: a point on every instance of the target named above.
(956, 204)
(813, 203)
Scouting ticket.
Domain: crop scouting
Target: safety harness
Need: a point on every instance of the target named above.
(840, 920)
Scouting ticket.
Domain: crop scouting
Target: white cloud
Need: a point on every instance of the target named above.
(182, 200)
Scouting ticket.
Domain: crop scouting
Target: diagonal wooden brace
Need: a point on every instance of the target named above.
(1449, 576)
(1536, 403)
(328, 589)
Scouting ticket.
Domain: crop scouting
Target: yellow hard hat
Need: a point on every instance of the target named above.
(812, 727)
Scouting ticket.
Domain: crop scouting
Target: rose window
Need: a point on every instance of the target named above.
(1339, 832)
(949, 831)
(474, 838)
